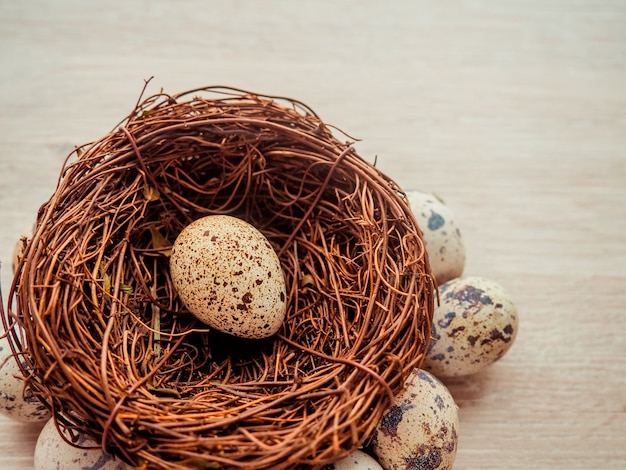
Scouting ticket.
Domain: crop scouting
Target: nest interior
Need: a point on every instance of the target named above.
(108, 345)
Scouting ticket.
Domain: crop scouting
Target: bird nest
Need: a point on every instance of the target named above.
(110, 348)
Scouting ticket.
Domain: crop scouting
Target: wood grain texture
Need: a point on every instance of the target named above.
(514, 112)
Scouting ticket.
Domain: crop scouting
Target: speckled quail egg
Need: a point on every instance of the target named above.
(441, 234)
(420, 429)
(357, 460)
(52, 452)
(229, 276)
(17, 400)
(474, 325)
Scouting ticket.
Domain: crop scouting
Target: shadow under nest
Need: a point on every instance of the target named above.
(111, 349)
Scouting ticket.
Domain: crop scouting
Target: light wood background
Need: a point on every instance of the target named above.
(513, 111)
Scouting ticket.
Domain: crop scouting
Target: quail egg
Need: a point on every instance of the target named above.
(229, 276)
(16, 399)
(420, 429)
(357, 460)
(52, 452)
(473, 326)
(441, 234)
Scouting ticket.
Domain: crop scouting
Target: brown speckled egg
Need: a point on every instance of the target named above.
(441, 234)
(357, 460)
(229, 276)
(473, 326)
(52, 452)
(16, 400)
(420, 429)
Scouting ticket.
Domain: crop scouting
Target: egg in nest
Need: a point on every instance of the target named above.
(228, 275)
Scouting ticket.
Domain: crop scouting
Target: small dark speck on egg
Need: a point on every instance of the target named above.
(424, 458)
(390, 420)
(470, 294)
(440, 403)
(446, 320)
(435, 221)
(495, 335)
(450, 444)
(424, 376)
(456, 331)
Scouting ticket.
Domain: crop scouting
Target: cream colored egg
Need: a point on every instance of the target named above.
(16, 400)
(229, 276)
(441, 234)
(52, 452)
(357, 460)
(420, 429)
(474, 325)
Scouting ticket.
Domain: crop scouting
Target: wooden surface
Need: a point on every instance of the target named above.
(514, 112)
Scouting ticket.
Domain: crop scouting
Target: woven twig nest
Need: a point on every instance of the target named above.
(111, 349)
